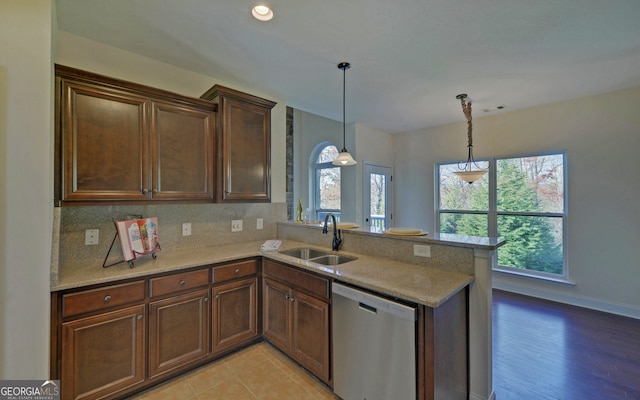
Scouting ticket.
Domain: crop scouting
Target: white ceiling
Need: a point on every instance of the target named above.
(410, 58)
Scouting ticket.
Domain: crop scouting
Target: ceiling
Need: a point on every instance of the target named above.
(410, 58)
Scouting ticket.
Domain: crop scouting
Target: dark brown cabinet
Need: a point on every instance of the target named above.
(235, 305)
(102, 341)
(103, 354)
(179, 331)
(178, 324)
(296, 316)
(119, 141)
(244, 145)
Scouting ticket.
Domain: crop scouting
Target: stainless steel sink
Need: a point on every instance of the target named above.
(305, 253)
(333, 259)
(318, 256)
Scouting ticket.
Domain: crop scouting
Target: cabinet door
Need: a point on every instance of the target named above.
(235, 316)
(104, 143)
(103, 354)
(276, 315)
(246, 151)
(182, 152)
(179, 331)
(310, 339)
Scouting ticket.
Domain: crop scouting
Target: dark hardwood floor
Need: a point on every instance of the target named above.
(545, 350)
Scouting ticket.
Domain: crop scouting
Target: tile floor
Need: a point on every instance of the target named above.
(259, 372)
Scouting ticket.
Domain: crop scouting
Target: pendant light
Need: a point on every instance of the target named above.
(344, 158)
(465, 172)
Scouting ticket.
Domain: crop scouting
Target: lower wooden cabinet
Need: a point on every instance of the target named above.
(235, 313)
(178, 331)
(294, 320)
(104, 354)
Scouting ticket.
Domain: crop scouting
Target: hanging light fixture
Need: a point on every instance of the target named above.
(344, 158)
(465, 172)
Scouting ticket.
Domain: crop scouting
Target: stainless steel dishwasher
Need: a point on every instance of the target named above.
(374, 353)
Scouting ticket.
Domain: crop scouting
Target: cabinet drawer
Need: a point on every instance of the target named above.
(311, 284)
(102, 298)
(178, 282)
(235, 270)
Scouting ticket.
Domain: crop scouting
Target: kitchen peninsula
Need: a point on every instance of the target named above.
(384, 265)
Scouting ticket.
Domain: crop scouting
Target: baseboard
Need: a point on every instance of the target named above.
(473, 396)
(530, 289)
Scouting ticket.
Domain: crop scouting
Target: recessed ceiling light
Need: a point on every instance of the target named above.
(262, 12)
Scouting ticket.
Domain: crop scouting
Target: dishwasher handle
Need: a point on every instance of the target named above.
(367, 308)
(373, 302)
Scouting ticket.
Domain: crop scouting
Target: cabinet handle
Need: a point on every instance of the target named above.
(182, 282)
(155, 190)
(237, 271)
(107, 298)
(286, 296)
(145, 191)
(291, 299)
(217, 296)
(140, 317)
(206, 299)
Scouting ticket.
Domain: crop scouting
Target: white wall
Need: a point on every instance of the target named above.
(78, 52)
(309, 130)
(601, 136)
(374, 147)
(26, 195)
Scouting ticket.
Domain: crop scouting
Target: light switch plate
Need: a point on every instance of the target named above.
(236, 225)
(259, 223)
(186, 229)
(91, 236)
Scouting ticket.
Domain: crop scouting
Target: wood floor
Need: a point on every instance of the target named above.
(548, 351)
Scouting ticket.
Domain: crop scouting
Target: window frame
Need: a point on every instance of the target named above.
(493, 214)
(316, 169)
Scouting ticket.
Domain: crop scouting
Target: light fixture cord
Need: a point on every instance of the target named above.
(344, 108)
(466, 109)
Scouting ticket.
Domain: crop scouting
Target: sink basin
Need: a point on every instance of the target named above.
(333, 259)
(318, 256)
(305, 253)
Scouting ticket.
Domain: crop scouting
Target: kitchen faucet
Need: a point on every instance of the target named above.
(337, 240)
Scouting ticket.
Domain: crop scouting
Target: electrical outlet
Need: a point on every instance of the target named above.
(186, 229)
(91, 236)
(236, 225)
(420, 250)
(259, 223)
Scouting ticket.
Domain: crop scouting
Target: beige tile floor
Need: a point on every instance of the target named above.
(259, 372)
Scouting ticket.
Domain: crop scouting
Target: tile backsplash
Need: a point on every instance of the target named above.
(210, 226)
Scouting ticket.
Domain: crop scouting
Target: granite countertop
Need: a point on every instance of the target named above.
(419, 284)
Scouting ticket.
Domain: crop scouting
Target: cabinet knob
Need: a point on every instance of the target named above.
(155, 190)
(183, 282)
(286, 296)
(291, 299)
(107, 298)
(206, 299)
(217, 296)
(145, 191)
(237, 271)
(140, 317)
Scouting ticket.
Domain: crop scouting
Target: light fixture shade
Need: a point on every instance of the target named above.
(470, 176)
(344, 159)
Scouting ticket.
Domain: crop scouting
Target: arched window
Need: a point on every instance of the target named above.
(326, 181)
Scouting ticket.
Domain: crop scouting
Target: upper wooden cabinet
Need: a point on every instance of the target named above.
(244, 145)
(120, 141)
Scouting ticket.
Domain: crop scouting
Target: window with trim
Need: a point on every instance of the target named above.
(326, 181)
(522, 200)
